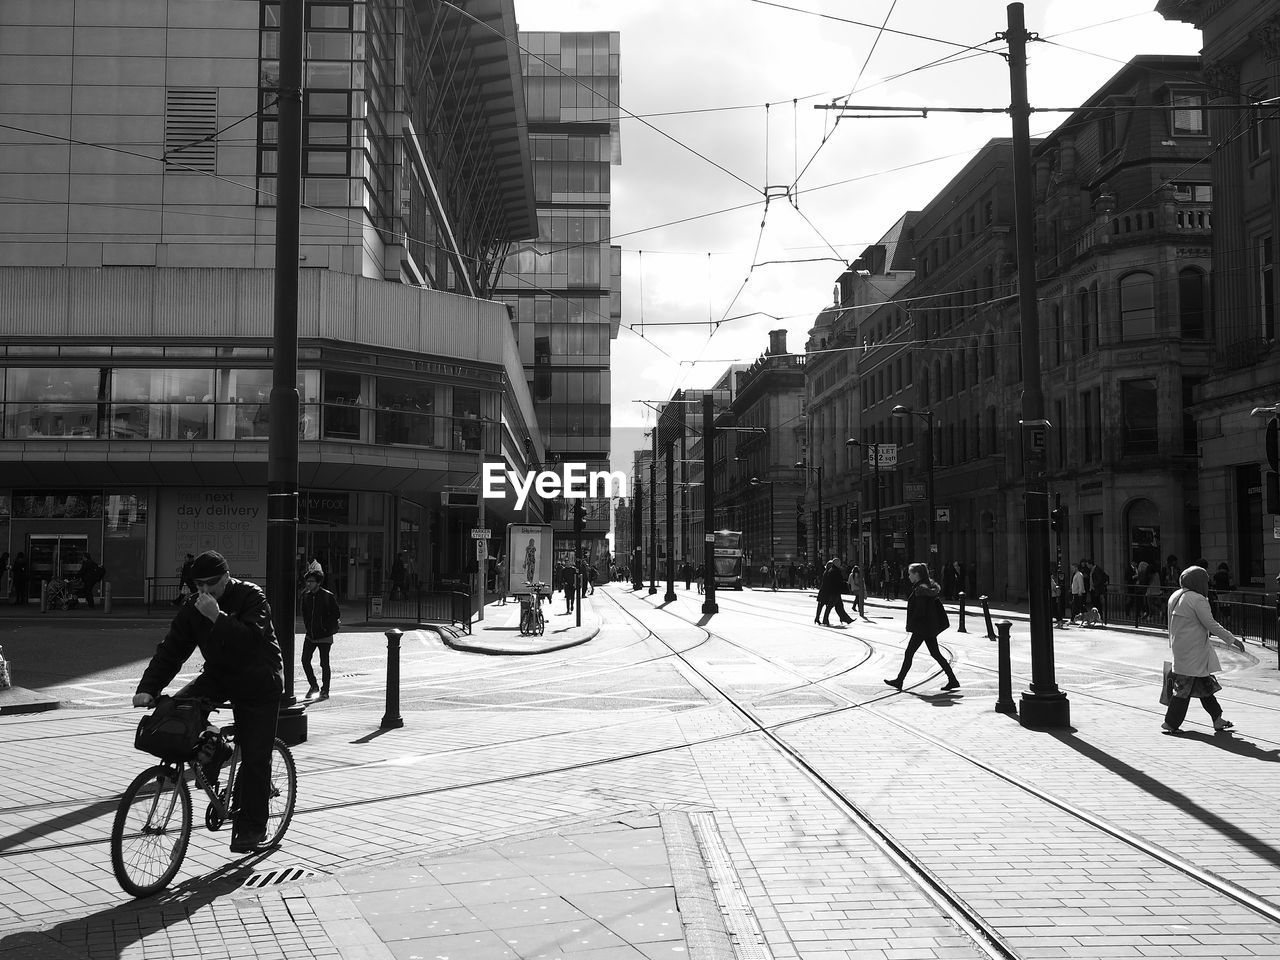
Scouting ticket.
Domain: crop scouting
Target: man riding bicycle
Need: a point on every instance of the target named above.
(230, 621)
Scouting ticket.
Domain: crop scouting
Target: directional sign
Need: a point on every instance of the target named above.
(481, 533)
(942, 514)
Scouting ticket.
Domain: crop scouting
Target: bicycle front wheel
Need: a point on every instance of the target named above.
(283, 793)
(151, 831)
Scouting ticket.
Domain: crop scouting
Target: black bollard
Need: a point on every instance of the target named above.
(986, 615)
(391, 720)
(1005, 704)
(961, 629)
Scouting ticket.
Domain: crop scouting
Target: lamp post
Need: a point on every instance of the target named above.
(756, 482)
(927, 417)
(874, 447)
(820, 540)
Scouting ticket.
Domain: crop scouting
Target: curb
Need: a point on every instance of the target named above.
(17, 700)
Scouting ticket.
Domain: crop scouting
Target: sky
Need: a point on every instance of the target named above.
(723, 94)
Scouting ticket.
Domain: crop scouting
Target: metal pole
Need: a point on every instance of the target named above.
(282, 435)
(773, 558)
(1044, 705)
(708, 506)
(653, 516)
(670, 595)
(822, 520)
(637, 537)
(1004, 670)
(931, 552)
(875, 547)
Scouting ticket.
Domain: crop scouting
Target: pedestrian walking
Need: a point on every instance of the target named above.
(858, 587)
(91, 572)
(322, 619)
(19, 575)
(1078, 590)
(1056, 598)
(686, 570)
(701, 576)
(569, 584)
(1098, 581)
(1191, 623)
(829, 595)
(926, 618)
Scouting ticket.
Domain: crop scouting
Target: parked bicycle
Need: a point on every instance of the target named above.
(532, 620)
(152, 826)
(63, 592)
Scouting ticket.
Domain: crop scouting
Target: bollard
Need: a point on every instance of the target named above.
(986, 615)
(106, 596)
(961, 629)
(391, 720)
(44, 596)
(1005, 704)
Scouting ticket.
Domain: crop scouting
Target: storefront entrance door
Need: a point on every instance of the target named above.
(54, 556)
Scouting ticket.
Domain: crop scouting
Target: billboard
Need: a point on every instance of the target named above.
(530, 556)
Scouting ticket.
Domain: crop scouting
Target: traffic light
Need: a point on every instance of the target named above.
(1057, 517)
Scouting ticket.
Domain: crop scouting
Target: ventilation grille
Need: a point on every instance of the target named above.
(190, 122)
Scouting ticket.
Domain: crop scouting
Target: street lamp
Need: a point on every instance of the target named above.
(756, 482)
(874, 446)
(820, 540)
(927, 417)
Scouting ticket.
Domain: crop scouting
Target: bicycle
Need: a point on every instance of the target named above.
(62, 593)
(532, 620)
(152, 825)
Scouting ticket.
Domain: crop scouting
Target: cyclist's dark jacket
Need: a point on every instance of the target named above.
(240, 650)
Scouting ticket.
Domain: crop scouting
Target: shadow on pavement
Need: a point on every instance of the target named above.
(1162, 791)
(65, 821)
(113, 931)
(1232, 743)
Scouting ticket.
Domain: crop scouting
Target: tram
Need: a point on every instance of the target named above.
(727, 553)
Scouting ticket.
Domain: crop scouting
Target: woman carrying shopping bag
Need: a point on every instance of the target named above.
(1194, 661)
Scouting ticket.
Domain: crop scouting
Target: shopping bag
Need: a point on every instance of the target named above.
(1166, 684)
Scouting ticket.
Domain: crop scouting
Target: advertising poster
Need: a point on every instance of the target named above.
(529, 556)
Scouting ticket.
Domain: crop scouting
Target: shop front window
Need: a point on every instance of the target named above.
(47, 402)
(342, 403)
(162, 405)
(406, 412)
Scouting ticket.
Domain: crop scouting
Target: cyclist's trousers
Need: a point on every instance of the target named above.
(255, 732)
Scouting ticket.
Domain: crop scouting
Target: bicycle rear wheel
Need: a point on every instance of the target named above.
(283, 793)
(151, 831)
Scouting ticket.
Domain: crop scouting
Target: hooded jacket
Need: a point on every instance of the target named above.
(1190, 624)
(922, 607)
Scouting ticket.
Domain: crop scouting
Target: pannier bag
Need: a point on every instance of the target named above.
(172, 731)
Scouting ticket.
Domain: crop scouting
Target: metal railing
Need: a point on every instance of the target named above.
(421, 606)
(1251, 616)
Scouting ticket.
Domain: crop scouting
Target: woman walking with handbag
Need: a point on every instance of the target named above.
(1194, 661)
(926, 618)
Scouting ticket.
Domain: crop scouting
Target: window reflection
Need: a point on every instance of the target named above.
(406, 412)
(51, 403)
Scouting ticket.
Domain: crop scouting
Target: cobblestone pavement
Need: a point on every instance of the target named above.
(603, 802)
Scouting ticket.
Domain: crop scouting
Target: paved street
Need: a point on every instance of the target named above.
(740, 787)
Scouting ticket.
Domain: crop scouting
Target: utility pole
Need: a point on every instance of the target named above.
(282, 436)
(1044, 705)
(670, 595)
(637, 537)
(708, 506)
(653, 515)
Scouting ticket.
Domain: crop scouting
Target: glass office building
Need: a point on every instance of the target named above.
(565, 288)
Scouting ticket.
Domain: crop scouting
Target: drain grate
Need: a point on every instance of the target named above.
(280, 875)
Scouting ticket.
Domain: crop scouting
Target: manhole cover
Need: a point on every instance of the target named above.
(279, 875)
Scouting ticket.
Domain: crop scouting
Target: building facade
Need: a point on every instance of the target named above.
(1241, 70)
(564, 287)
(135, 332)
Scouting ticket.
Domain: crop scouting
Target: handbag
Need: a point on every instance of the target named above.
(1166, 684)
(940, 615)
(172, 731)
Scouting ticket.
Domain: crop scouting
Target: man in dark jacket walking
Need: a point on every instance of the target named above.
(829, 594)
(569, 583)
(230, 621)
(90, 573)
(924, 623)
(322, 619)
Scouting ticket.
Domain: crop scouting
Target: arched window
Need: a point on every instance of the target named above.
(1137, 306)
(1193, 303)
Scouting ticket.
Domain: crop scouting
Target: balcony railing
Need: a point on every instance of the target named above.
(1189, 219)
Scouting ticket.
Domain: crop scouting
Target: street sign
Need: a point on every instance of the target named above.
(888, 455)
(710, 538)
(942, 514)
(913, 490)
(481, 533)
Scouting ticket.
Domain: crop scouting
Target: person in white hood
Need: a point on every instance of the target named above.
(1191, 623)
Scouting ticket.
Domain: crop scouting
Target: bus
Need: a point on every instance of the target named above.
(727, 553)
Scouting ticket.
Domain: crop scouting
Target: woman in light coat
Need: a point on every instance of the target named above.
(858, 587)
(1194, 661)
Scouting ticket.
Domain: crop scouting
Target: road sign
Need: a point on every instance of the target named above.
(942, 514)
(481, 533)
(888, 455)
